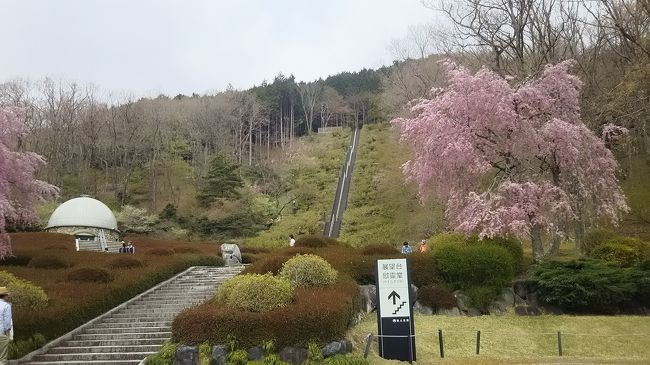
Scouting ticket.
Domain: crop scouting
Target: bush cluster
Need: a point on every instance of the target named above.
(269, 264)
(90, 275)
(315, 315)
(595, 238)
(186, 250)
(469, 266)
(308, 271)
(161, 251)
(48, 262)
(591, 286)
(125, 262)
(57, 246)
(423, 270)
(623, 251)
(23, 293)
(436, 297)
(255, 292)
(512, 245)
(18, 260)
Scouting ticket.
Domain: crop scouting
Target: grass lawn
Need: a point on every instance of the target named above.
(512, 339)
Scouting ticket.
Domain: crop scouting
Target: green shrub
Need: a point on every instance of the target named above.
(308, 271)
(423, 269)
(18, 260)
(316, 241)
(512, 245)
(237, 357)
(482, 296)
(379, 249)
(591, 286)
(161, 251)
(125, 262)
(596, 237)
(617, 253)
(320, 315)
(20, 347)
(436, 297)
(90, 275)
(164, 356)
(445, 239)
(48, 262)
(470, 266)
(23, 293)
(255, 292)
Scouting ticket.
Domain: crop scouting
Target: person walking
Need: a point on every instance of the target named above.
(423, 246)
(406, 249)
(7, 326)
(292, 241)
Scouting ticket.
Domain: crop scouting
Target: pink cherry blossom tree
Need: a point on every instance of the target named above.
(511, 160)
(19, 190)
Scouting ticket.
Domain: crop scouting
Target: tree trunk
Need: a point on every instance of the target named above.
(250, 143)
(281, 128)
(554, 250)
(536, 240)
(580, 235)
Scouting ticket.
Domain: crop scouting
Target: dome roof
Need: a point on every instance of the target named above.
(83, 212)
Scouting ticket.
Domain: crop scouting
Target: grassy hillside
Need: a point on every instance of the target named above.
(382, 206)
(311, 171)
(512, 339)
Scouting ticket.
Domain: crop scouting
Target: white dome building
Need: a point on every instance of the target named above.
(86, 218)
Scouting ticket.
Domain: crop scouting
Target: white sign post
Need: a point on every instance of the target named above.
(394, 310)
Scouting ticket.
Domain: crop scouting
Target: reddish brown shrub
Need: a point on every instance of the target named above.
(48, 262)
(248, 258)
(272, 264)
(319, 315)
(423, 269)
(125, 262)
(161, 251)
(90, 275)
(316, 241)
(187, 250)
(436, 297)
(57, 246)
(254, 250)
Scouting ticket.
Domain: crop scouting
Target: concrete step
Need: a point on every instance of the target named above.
(122, 336)
(95, 356)
(133, 324)
(96, 362)
(131, 342)
(103, 349)
(109, 330)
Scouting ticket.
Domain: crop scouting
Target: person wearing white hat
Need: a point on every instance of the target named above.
(6, 332)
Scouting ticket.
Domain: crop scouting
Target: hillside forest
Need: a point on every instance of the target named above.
(230, 163)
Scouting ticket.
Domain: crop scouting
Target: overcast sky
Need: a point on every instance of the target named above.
(150, 47)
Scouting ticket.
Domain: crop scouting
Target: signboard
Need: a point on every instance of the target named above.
(394, 311)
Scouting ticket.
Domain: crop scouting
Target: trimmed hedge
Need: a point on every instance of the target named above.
(18, 260)
(436, 297)
(90, 275)
(269, 264)
(125, 262)
(512, 245)
(48, 262)
(186, 250)
(57, 246)
(320, 315)
(423, 269)
(618, 253)
(23, 293)
(475, 266)
(308, 271)
(591, 286)
(255, 292)
(595, 238)
(161, 251)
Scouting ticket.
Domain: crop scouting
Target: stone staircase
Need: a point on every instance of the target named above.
(137, 328)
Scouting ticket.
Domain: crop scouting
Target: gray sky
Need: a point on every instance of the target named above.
(149, 47)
